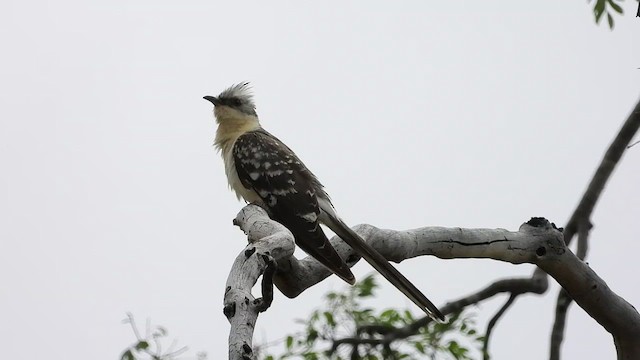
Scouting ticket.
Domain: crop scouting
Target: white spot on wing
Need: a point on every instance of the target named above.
(310, 217)
(254, 175)
(274, 173)
(283, 192)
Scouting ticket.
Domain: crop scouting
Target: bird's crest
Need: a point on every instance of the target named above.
(239, 97)
(242, 91)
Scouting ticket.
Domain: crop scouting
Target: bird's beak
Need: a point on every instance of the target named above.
(214, 100)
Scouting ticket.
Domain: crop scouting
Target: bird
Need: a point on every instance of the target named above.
(261, 169)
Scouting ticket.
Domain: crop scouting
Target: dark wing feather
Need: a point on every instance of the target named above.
(383, 266)
(289, 190)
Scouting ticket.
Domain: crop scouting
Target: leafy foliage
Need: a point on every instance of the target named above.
(345, 329)
(601, 7)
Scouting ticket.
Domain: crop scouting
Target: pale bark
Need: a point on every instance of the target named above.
(536, 242)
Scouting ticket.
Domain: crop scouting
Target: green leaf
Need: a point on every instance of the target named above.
(366, 286)
(598, 10)
(142, 345)
(310, 355)
(616, 7)
(127, 355)
(312, 335)
(408, 316)
(329, 317)
(610, 20)
(289, 342)
(443, 327)
(456, 350)
(418, 345)
(389, 313)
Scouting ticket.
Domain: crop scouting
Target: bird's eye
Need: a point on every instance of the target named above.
(236, 102)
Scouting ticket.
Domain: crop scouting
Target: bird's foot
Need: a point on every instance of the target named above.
(263, 303)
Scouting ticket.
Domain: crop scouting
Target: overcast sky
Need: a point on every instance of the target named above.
(447, 113)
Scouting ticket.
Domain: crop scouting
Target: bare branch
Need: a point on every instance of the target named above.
(564, 300)
(537, 242)
(493, 322)
(580, 220)
(557, 332)
(268, 241)
(445, 243)
(589, 291)
(602, 174)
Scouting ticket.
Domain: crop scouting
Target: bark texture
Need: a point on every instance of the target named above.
(536, 242)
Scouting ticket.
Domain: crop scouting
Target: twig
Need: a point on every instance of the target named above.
(611, 158)
(557, 333)
(492, 323)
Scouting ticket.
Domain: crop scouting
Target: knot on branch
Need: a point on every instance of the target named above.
(550, 240)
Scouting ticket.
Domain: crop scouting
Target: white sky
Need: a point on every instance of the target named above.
(471, 114)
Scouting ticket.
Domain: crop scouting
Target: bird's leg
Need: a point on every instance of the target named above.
(263, 303)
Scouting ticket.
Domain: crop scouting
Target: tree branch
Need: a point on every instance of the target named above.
(611, 158)
(580, 220)
(564, 300)
(445, 243)
(268, 242)
(557, 332)
(492, 324)
(536, 242)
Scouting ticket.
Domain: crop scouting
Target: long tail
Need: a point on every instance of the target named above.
(383, 266)
(318, 246)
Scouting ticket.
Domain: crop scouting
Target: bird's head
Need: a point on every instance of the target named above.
(236, 102)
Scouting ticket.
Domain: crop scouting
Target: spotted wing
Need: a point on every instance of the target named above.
(289, 190)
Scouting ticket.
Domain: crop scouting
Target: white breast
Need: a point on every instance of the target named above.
(234, 181)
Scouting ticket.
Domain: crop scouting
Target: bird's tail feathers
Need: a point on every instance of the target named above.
(373, 257)
(327, 255)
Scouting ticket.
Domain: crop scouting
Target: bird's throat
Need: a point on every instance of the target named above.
(230, 129)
